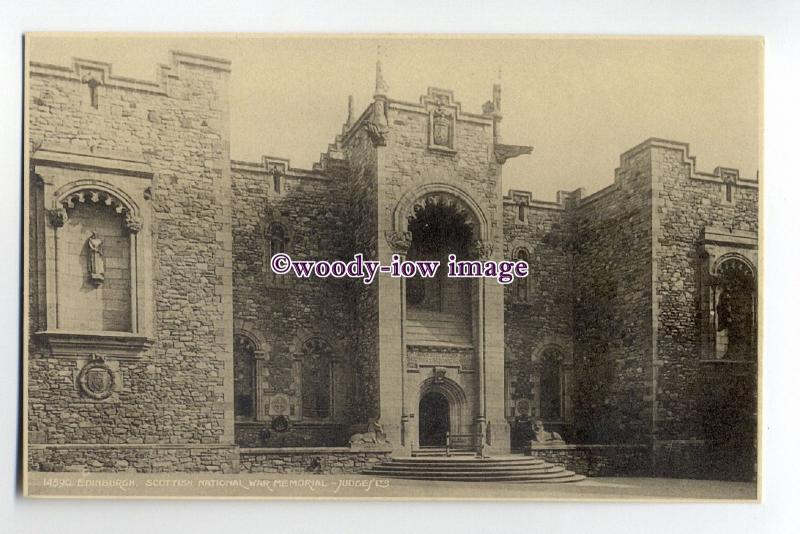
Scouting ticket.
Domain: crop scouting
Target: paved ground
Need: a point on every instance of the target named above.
(365, 487)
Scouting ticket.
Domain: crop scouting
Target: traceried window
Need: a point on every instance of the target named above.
(317, 379)
(244, 377)
(551, 386)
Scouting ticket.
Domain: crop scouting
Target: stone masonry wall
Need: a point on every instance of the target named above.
(597, 460)
(180, 390)
(613, 313)
(163, 459)
(544, 318)
(362, 195)
(282, 312)
(328, 460)
(685, 206)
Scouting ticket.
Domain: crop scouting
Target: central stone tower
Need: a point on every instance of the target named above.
(427, 179)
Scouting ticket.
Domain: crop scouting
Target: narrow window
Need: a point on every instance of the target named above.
(277, 239)
(521, 284)
(728, 192)
(317, 370)
(244, 378)
(521, 212)
(276, 182)
(550, 386)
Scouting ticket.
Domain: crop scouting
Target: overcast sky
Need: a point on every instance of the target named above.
(579, 102)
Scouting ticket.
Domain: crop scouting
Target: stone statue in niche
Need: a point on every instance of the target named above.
(97, 264)
(544, 437)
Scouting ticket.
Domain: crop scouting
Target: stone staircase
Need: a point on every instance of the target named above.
(473, 469)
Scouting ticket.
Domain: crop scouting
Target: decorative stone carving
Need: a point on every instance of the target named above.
(377, 134)
(481, 250)
(439, 375)
(133, 223)
(442, 131)
(399, 241)
(502, 153)
(93, 82)
(279, 405)
(544, 437)
(97, 264)
(440, 357)
(373, 436)
(280, 424)
(58, 217)
(96, 379)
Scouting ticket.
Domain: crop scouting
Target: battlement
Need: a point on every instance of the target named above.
(563, 199)
(719, 175)
(100, 73)
(272, 165)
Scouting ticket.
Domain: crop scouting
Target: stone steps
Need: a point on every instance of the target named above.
(471, 469)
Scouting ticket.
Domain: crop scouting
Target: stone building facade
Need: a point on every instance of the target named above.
(160, 339)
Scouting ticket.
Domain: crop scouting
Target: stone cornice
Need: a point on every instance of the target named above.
(97, 160)
(80, 344)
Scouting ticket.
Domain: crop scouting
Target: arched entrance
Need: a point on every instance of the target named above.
(434, 419)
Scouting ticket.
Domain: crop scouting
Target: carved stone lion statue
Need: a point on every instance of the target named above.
(540, 435)
(373, 436)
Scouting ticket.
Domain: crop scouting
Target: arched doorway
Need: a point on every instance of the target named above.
(434, 419)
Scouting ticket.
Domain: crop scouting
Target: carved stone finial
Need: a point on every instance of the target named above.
(497, 92)
(58, 217)
(349, 111)
(380, 84)
(133, 223)
(482, 250)
(399, 241)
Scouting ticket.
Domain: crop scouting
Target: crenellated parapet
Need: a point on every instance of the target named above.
(99, 73)
(564, 199)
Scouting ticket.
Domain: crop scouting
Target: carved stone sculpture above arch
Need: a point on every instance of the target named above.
(441, 193)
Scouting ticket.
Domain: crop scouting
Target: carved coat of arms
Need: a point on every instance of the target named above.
(96, 380)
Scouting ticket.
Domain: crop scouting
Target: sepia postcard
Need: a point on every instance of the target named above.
(392, 267)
